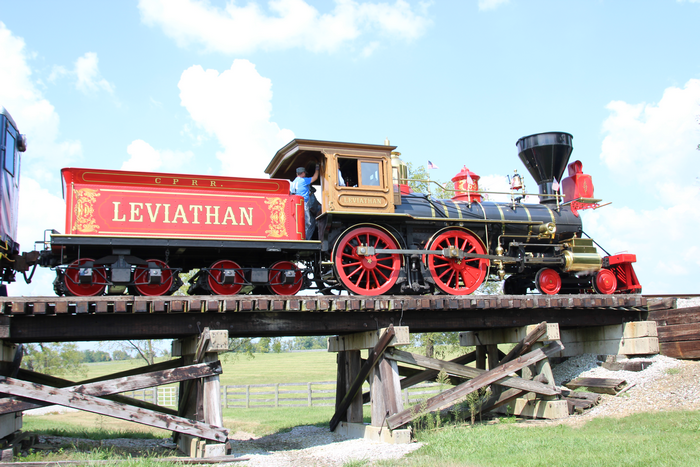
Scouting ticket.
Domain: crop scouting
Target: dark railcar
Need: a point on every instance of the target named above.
(12, 144)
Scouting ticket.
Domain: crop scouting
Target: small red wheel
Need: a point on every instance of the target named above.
(605, 282)
(219, 275)
(366, 274)
(97, 283)
(277, 275)
(453, 275)
(141, 279)
(548, 281)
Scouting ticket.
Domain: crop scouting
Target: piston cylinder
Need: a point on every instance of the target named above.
(581, 255)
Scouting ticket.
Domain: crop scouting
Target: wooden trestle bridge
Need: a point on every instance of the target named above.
(201, 326)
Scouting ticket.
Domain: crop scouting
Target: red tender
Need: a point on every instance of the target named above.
(147, 204)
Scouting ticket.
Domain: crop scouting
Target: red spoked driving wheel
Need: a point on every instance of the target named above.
(142, 276)
(278, 284)
(87, 285)
(457, 276)
(548, 281)
(225, 278)
(605, 282)
(365, 274)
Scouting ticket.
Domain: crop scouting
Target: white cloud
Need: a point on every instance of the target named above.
(34, 114)
(491, 4)
(89, 78)
(663, 240)
(146, 158)
(651, 149)
(57, 72)
(284, 24)
(653, 143)
(235, 106)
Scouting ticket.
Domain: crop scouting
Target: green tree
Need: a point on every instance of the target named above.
(263, 345)
(147, 349)
(277, 344)
(56, 359)
(91, 356)
(186, 278)
(120, 355)
(420, 181)
(310, 342)
(445, 341)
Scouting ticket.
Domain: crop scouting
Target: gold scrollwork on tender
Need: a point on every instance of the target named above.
(85, 210)
(278, 218)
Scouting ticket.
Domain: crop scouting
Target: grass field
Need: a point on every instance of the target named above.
(287, 367)
(648, 439)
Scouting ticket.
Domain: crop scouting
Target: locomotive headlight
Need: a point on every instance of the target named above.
(22, 143)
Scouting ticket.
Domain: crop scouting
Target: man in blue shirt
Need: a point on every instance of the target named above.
(301, 186)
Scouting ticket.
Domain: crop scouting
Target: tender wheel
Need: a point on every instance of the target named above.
(605, 282)
(366, 274)
(453, 275)
(277, 278)
(548, 281)
(88, 285)
(141, 279)
(225, 278)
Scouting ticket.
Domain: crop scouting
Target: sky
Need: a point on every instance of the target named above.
(218, 86)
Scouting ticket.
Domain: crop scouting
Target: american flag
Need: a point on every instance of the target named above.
(432, 166)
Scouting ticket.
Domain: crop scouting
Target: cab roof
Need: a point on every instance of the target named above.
(299, 152)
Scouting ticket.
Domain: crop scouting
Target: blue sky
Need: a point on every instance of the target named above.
(219, 86)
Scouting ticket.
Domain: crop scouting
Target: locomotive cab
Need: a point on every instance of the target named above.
(353, 177)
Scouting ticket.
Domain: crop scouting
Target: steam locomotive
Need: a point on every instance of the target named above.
(136, 232)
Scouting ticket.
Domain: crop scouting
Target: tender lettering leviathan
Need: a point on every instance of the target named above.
(182, 214)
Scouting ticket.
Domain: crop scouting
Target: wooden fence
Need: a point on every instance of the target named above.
(253, 396)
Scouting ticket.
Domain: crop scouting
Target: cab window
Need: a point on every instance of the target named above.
(370, 173)
(354, 172)
(10, 150)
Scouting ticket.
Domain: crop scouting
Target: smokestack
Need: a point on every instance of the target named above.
(545, 155)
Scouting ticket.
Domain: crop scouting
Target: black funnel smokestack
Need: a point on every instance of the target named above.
(545, 155)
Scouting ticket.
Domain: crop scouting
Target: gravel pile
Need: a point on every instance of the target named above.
(314, 446)
(587, 366)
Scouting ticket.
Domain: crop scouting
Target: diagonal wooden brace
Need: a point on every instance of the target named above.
(131, 383)
(101, 406)
(451, 396)
(468, 372)
(372, 360)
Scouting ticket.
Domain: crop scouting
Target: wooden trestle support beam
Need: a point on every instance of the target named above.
(532, 394)
(197, 424)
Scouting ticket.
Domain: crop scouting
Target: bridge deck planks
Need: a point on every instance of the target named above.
(196, 304)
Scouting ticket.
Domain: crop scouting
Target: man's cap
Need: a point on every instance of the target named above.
(301, 170)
